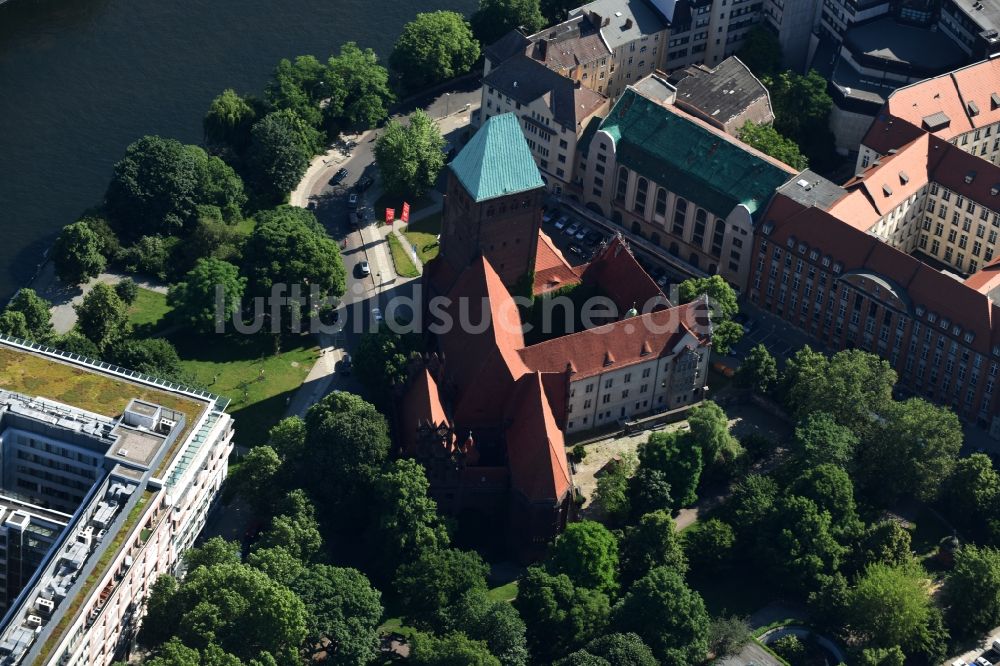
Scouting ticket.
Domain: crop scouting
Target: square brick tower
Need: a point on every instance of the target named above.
(494, 202)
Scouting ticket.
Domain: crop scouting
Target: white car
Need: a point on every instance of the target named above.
(377, 314)
(983, 661)
(365, 268)
(561, 222)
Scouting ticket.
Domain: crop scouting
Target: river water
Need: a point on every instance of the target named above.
(81, 79)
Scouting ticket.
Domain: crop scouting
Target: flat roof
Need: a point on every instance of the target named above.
(136, 446)
(928, 51)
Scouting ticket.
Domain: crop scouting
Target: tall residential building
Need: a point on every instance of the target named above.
(106, 477)
(679, 182)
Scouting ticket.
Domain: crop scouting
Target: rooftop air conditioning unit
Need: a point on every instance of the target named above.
(33, 621)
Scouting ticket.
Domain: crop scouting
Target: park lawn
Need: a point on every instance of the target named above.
(396, 203)
(424, 235)
(504, 592)
(401, 258)
(232, 365)
(148, 311)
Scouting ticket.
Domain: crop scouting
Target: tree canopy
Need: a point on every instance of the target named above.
(678, 456)
(228, 121)
(358, 88)
(102, 316)
(432, 585)
(76, 254)
(759, 371)
(972, 591)
(433, 47)
(768, 140)
(652, 543)
(761, 52)
(588, 553)
(210, 289)
(410, 156)
(282, 143)
(495, 18)
(36, 311)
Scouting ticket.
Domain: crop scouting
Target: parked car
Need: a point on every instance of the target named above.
(561, 222)
(339, 177)
(581, 233)
(959, 662)
(363, 183)
(549, 215)
(364, 268)
(593, 238)
(983, 661)
(996, 643)
(352, 201)
(572, 229)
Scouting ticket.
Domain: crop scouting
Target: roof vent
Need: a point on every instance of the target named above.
(886, 190)
(892, 151)
(903, 178)
(969, 177)
(646, 349)
(972, 108)
(994, 100)
(995, 190)
(803, 183)
(515, 84)
(628, 23)
(608, 359)
(936, 121)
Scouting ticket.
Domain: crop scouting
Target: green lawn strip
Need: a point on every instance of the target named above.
(394, 625)
(232, 365)
(99, 570)
(148, 311)
(424, 235)
(389, 201)
(401, 257)
(504, 592)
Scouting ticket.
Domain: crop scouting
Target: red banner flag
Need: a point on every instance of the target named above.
(405, 217)
(390, 215)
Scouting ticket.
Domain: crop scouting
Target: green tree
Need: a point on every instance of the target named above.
(652, 543)
(790, 648)
(769, 141)
(297, 87)
(710, 546)
(454, 649)
(612, 488)
(294, 528)
(801, 112)
(410, 156)
(831, 489)
(364, 84)
(175, 653)
(75, 342)
(156, 357)
(588, 553)
(36, 311)
(279, 565)
(884, 542)
(971, 494)
(433, 47)
(496, 623)
(495, 18)
(893, 656)
(972, 591)
(612, 650)
(431, 586)
(102, 316)
(161, 621)
(281, 145)
(242, 611)
(668, 616)
(556, 11)
(212, 552)
(151, 255)
(750, 505)
(228, 121)
(678, 456)
(890, 606)
(76, 254)
(759, 371)
(913, 449)
(559, 617)
(819, 440)
(344, 609)
(127, 290)
(14, 324)
(288, 438)
(648, 491)
(710, 430)
(208, 295)
(722, 301)
(728, 635)
(406, 523)
(382, 357)
(255, 479)
(761, 52)
(801, 548)
(159, 184)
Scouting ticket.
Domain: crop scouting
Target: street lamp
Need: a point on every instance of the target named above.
(447, 104)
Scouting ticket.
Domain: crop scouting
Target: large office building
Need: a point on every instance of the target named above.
(106, 477)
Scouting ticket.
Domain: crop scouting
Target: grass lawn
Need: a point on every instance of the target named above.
(147, 313)
(401, 257)
(245, 369)
(387, 201)
(504, 592)
(423, 233)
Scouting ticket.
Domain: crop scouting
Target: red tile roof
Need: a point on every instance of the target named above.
(421, 406)
(857, 250)
(552, 271)
(621, 277)
(621, 343)
(536, 450)
(986, 279)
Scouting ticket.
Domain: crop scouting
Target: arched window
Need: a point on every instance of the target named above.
(616, 217)
(661, 202)
(700, 218)
(641, 187)
(712, 269)
(655, 238)
(674, 250)
(680, 212)
(693, 260)
(636, 229)
(622, 184)
(718, 233)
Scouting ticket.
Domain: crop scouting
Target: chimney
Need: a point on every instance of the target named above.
(578, 83)
(628, 23)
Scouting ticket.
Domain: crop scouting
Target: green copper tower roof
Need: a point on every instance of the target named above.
(497, 161)
(709, 168)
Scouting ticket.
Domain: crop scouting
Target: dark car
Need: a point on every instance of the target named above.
(592, 238)
(352, 201)
(339, 177)
(363, 183)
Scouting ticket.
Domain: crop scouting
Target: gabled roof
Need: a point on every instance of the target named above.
(420, 406)
(623, 21)
(497, 161)
(621, 343)
(536, 450)
(552, 271)
(697, 161)
(509, 45)
(622, 279)
(568, 44)
(525, 80)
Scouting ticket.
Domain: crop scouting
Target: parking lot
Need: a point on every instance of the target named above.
(987, 654)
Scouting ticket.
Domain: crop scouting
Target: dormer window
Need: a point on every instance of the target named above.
(969, 177)
(826, 261)
(969, 336)
(802, 248)
(919, 310)
(790, 243)
(837, 268)
(767, 228)
(931, 317)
